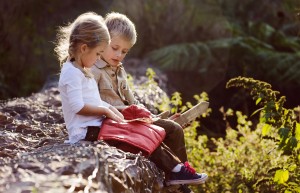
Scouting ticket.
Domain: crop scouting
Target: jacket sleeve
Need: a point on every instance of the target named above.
(127, 92)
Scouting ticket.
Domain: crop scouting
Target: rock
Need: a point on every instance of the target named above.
(34, 158)
(90, 167)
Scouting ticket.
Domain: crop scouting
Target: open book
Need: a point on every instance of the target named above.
(191, 114)
(183, 119)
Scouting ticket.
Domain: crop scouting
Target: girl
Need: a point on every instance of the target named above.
(79, 47)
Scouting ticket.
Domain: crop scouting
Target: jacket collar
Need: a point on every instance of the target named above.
(102, 64)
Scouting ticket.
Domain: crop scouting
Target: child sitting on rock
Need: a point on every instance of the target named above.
(111, 78)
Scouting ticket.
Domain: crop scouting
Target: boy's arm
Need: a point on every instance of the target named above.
(128, 94)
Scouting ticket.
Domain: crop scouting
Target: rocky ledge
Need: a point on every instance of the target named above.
(34, 158)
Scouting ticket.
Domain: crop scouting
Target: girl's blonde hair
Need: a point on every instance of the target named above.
(120, 25)
(89, 28)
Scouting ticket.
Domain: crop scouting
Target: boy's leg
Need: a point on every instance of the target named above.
(174, 137)
(166, 161)
(164, 158)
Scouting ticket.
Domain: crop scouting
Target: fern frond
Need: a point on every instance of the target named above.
(178, 57)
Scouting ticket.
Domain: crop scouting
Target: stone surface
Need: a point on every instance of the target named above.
(34, 158)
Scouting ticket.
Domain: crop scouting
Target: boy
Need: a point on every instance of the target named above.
(113, 87)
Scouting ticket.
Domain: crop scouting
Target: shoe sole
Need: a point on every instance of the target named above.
(189, 182)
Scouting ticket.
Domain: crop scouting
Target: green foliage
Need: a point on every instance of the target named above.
(150, 74)
(272, 113)
(177, 57)
(176, 101)
(260, 41)
(236, 163)
(249, 56)
(275, 117)
(216, 61)
(243, 161)
(176, 105)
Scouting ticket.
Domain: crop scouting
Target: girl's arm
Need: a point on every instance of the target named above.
(90, 110)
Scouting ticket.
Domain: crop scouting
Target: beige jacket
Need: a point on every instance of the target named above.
(113, 86)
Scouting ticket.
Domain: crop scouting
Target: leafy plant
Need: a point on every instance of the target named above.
(276, 118)
(237, 162)
(257, 48)
(272, 112)
(242, 161)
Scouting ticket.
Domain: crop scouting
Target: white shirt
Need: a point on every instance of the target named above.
(76, 90)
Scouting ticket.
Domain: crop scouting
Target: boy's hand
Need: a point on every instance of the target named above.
(174, 116)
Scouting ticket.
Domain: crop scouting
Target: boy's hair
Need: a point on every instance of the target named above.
(120, 25)
(89, 28)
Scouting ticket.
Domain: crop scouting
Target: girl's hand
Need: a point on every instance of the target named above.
(113, 109)
(118, 117)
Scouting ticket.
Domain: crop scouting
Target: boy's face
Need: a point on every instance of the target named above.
(116, 50)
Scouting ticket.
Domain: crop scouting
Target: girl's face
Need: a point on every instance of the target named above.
(89, 56)
(116, 50)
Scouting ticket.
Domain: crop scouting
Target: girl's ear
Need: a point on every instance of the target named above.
(83, 48)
